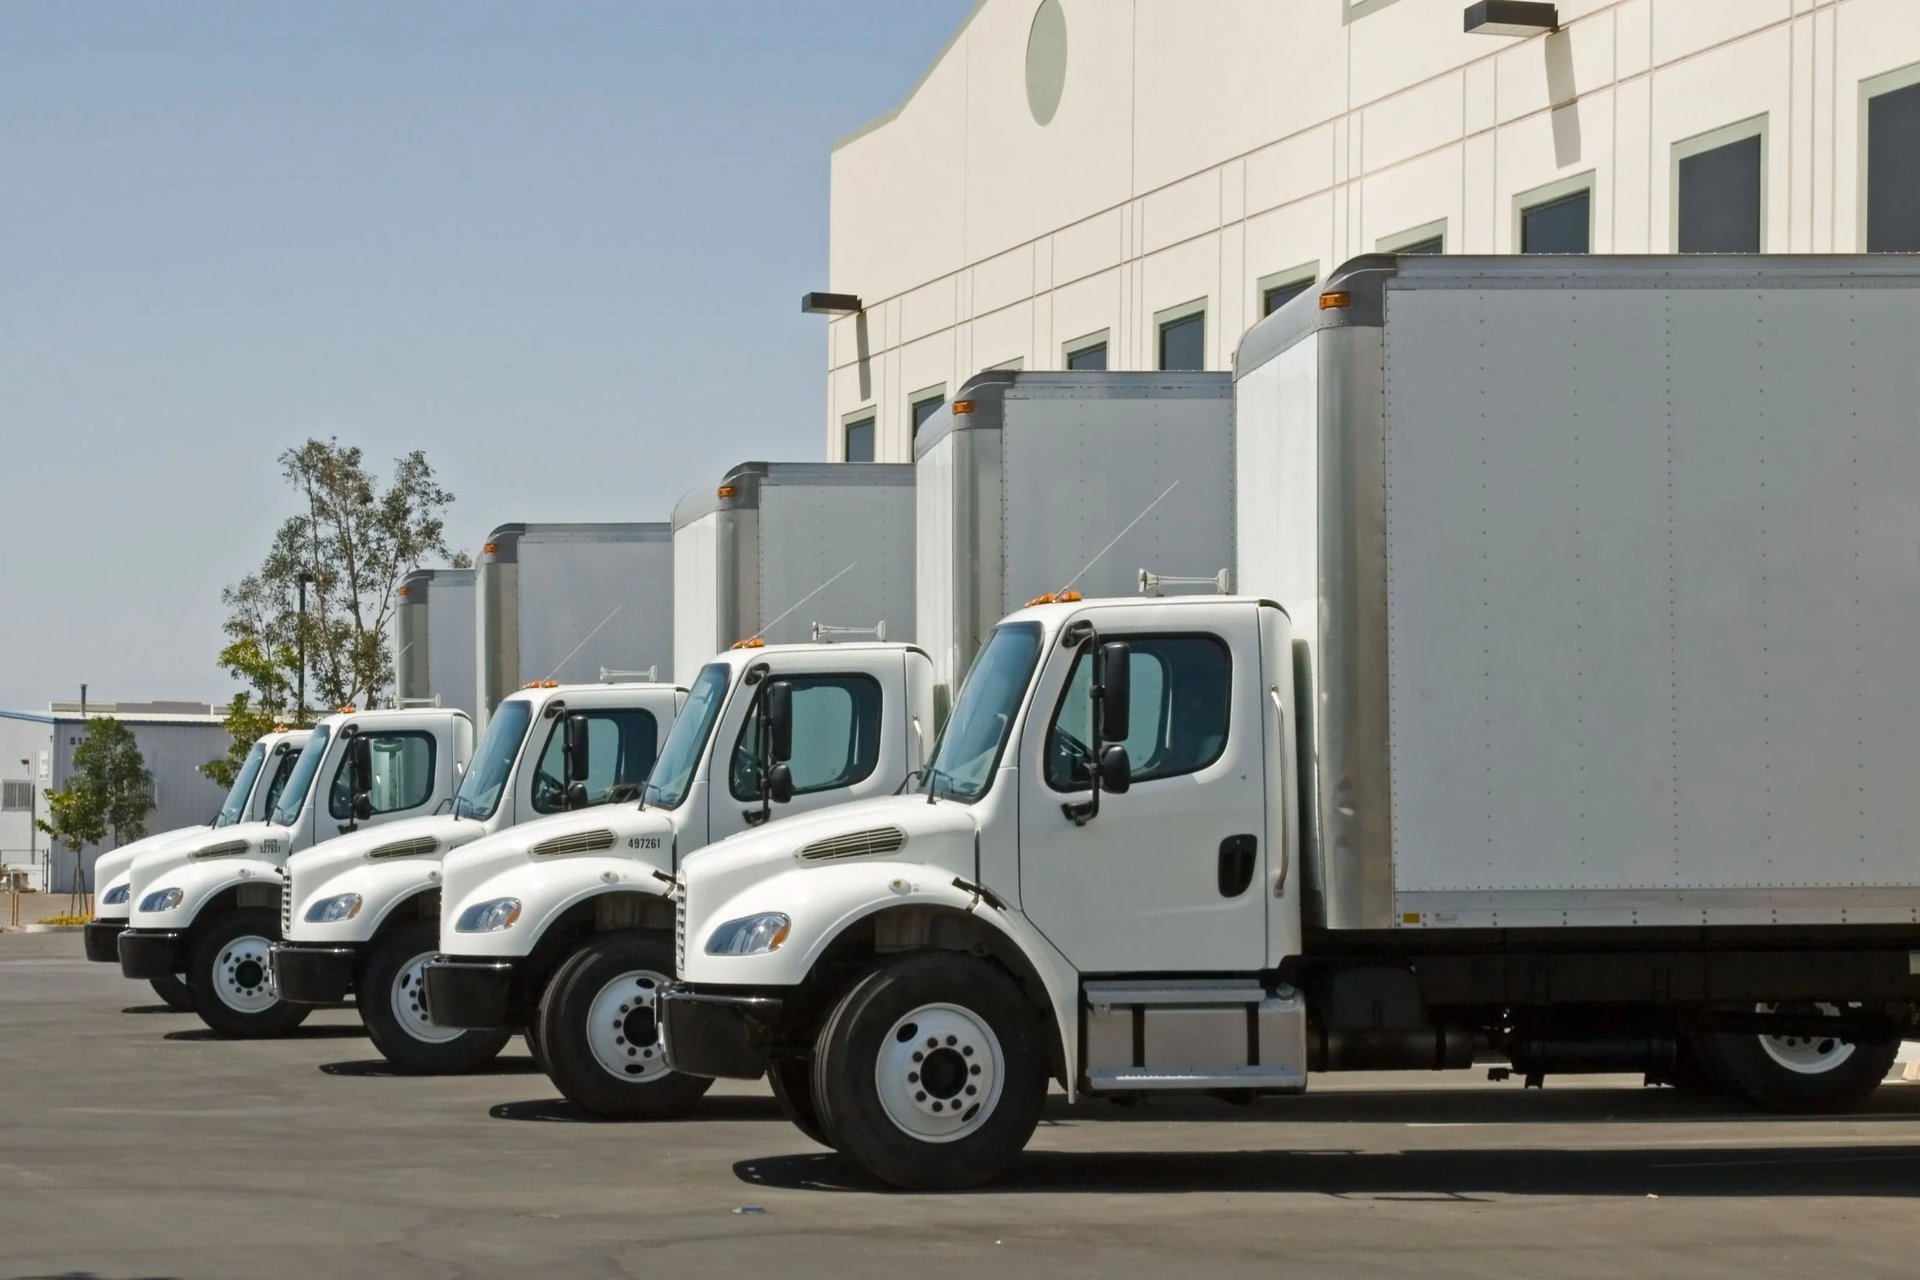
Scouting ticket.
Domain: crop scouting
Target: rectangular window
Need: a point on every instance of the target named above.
(836, 736)
(1181, 689)
(402, 774)
(1717, 193)
(1183, 337)
(924, 405)
(859, 439)
(621, 745)
(16, 797)
(1893, 171)
(1560, 223)
(1088, 353)
(1430, 238)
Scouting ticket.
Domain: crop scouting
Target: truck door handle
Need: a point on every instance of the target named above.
(1236, 864)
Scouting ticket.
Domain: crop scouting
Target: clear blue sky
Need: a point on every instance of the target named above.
(558, 246)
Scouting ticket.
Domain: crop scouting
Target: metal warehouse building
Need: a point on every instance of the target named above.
(1130, 184)
(36, 753)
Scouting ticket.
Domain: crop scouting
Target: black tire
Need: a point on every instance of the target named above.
(227, 974)
(1754, 1075)
(534, 1048)
(602, 971)
(173, 992)
(875, 1033)
(792, 1083)
(394, 1015)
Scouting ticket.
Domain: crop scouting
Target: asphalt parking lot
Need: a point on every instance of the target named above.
(131, 1145)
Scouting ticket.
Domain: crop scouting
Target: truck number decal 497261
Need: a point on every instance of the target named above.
(643, 842)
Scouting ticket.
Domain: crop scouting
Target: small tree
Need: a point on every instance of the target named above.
(109, 794)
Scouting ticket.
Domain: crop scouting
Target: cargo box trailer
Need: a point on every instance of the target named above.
(575, 603)
(433, 640)
(790, 552)
(1026, 483)
(1568, 722)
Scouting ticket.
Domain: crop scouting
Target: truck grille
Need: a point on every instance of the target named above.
(578, 842)
(855, 844)
(286, 900)
(404, 848)
(223, 849)
(679, 929)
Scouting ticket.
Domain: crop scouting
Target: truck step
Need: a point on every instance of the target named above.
(1192, 1079)
(1174, 991)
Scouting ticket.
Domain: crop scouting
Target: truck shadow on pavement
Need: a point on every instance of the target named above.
(370, 1068)
(561, 1111)
(298, 1033)
(155, 1008)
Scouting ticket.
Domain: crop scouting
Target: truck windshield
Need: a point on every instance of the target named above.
(976, 733)
(287, 812)
(234, 808)
(492, 763)
(673, 771)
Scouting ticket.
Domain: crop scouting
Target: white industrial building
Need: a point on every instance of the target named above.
(1130, 184)
(36, 754)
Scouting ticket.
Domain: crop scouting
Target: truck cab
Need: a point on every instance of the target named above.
(209, 909)
(564, 926)
(255, 790)
(364, 909)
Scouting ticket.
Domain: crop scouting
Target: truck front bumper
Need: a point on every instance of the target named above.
(102, 939)
(152, 953)
(725, 1035)
(308, 973)
(474, 994)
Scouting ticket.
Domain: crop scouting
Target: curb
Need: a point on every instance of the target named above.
(52, 928)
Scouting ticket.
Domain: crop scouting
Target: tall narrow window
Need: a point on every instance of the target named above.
(859, 439)
(1893, 171)
(1275, 295)
(1717, 195)
(1087, 353)
(1431, 238)
(1562, 224)
(1183, 340)
(924, 405)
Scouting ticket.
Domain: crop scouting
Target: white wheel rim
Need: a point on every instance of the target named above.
(410, 1004)
(240, 975)
(623, 1027)
(939, 1073)
(1807, 1055)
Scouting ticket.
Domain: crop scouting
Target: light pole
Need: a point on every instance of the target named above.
(33, 814)
(300, 711)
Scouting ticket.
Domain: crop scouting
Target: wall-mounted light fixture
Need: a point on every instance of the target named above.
(1512, 18)
(834, 304)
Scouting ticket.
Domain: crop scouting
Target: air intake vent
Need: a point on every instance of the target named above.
(286, 901)
(578, 842)
(855, 844)
(225, 849)
(405, 848)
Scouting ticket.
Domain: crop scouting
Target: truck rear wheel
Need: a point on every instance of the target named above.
(227, 971)
(599, 1029)
(792, 1083)
(393, 1007)
(933, 1072)
(1798, 1073)
(173, 993)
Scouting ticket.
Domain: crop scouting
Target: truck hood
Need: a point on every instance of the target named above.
(933, 838)
(606, 831)
(424, 840)
(254, 840)
(112, 871)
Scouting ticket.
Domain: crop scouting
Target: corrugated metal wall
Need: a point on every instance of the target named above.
(174, 754)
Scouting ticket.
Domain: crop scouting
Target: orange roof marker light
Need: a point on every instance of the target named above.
(751, 642)
(1055, 597)
(541, 684)
(1335, 299)
(962, 406)
(490, 549)
(404, 591)
(726, 491)
(347, 710)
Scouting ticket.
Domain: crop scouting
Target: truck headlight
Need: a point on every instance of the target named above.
(116, 895)
(750, 936)
(161, 900)
(489, 917)
(342, 906)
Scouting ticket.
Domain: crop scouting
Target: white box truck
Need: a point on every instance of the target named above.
(363, 911)
(779, 549)
(210, 909)
(251, 798)
(574, 603)
(1571, 723)
(434, 648)
(1027, 483)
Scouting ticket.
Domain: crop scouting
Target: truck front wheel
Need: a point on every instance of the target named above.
(599, 1031)
(932, 1072)
(394, 1010)
(227, 972)
(792, 1082)
(173, 993)
(1803, 1073)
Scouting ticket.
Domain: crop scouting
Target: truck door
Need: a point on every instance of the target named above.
(837, 721)
(406, 763)
(1172, 875)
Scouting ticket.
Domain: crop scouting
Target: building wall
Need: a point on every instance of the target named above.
(174, 752)
(24, 737)
(1202, 147)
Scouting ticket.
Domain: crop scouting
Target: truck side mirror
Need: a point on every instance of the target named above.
(574, 746)
(360, 764)
(780, 782)
(362, 806)
(1116, 693)
(1116, 769)
(779, 722)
